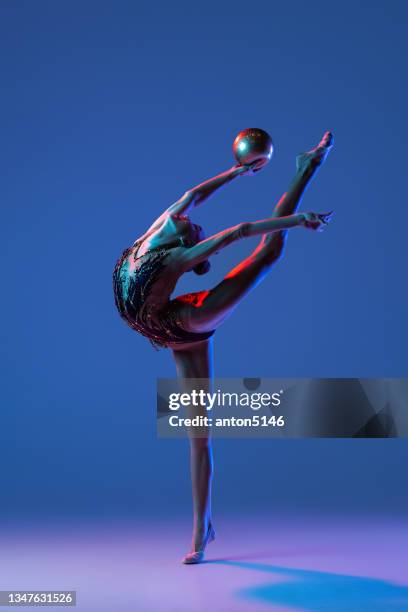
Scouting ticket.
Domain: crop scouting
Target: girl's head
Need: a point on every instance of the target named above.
(187, 232)
(190, 234)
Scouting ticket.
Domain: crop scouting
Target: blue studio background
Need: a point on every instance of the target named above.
(109, 112)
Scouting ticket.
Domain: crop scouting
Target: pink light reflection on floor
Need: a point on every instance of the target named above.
(257, 564)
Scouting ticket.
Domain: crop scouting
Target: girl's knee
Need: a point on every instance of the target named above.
(273, 247)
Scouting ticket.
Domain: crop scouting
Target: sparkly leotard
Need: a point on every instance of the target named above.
(134, 280)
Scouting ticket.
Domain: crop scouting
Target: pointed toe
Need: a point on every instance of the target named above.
(193, 558)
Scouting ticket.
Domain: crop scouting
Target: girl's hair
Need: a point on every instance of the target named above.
(202, 268)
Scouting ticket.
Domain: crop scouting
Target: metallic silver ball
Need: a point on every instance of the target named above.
(251, 145)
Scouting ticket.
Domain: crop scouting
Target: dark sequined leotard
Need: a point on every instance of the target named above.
(134, 278)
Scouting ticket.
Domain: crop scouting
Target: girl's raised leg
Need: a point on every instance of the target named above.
(212, 307)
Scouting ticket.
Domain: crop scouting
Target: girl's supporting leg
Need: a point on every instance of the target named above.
(192, 363)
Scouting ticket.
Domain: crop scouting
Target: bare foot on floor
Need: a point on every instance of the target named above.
(200, 542)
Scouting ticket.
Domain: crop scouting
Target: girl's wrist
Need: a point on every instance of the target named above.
(300, 218)
(237, 170)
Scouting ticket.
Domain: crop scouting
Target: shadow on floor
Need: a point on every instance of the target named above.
(314, 591)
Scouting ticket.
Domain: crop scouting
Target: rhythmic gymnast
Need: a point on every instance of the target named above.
(147, 272)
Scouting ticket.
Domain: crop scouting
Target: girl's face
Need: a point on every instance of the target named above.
(189, 232)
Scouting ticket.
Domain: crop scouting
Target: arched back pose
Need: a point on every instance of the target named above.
(146, 275)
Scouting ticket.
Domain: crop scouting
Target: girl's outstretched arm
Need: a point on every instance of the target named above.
(195, 196)
(204, 249)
